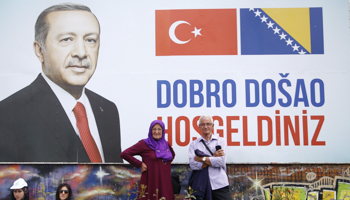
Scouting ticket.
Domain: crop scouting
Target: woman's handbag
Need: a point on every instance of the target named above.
(175, 180)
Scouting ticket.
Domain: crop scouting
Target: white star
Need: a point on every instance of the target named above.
(289, 42)
(251, 9)
(263, 19)
(283, 36)
(256, 182)
(257, 13)
(295, 47)
(270, 24)
(302, 52)
(276, 30)
(100, 174)
(196, 32)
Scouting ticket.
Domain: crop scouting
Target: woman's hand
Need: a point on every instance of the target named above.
(144, 167)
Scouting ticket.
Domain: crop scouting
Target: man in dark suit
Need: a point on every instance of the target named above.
(55, 118)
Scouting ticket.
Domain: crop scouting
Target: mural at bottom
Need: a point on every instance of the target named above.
(120, 181)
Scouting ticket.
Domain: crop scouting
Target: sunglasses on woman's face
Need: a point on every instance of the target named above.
(64, 191)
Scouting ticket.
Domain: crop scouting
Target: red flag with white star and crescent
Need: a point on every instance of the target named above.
(196, 32)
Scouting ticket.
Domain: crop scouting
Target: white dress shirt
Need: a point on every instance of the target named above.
(68, 103)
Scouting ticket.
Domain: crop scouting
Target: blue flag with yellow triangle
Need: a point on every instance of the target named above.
(281, 31)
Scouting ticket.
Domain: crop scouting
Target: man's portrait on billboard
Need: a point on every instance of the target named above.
(55, 118)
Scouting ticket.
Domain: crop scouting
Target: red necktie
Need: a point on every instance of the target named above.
(85, 135)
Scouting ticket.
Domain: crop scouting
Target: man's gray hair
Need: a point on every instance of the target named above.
(205, 117)
(41, 25)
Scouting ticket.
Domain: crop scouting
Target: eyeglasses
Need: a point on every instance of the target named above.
(207, 124)
(157, 129)
(64, 191)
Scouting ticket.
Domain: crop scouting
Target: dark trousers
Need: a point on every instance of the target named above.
(221, 194)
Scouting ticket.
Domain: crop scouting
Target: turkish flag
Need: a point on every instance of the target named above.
(196, 32)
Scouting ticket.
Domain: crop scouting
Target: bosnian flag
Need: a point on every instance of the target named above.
(196, 32)
(281, 31)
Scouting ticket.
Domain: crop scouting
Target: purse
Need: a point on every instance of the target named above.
(199, 179)
(175, 181)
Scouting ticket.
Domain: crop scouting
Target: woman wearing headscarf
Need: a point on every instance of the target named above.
(19, 190)
(156, 154)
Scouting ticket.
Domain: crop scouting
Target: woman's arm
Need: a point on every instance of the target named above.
(129, 153)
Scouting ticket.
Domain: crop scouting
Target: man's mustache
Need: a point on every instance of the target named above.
(79, 62)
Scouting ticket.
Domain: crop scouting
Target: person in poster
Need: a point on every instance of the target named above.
(55, 118)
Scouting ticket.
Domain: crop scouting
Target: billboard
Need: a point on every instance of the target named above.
(273, 75)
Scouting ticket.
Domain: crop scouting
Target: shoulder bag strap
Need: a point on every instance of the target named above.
(206, 147)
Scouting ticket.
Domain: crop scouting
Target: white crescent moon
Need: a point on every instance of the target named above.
(172, 32)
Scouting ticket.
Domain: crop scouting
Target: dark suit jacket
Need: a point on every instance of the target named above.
(35, 128)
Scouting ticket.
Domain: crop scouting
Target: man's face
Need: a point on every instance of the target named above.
(71, 48)
(206, 126)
